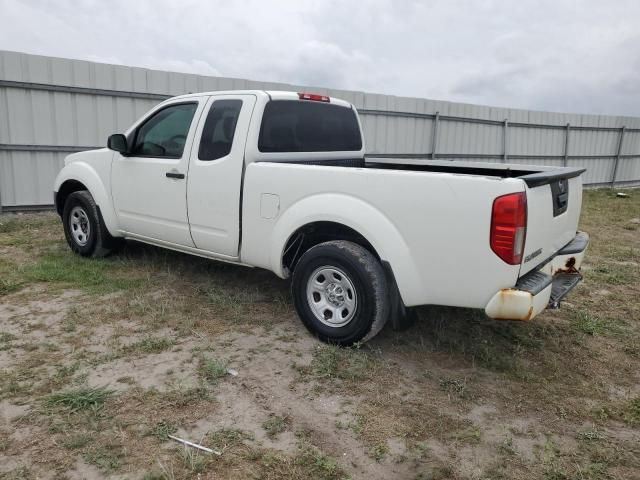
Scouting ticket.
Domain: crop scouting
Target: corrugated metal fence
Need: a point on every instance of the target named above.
(50, 107)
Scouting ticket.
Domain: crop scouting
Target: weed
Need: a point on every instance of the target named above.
(591, 435)
(276, 425)
(632, 412)
(8, 285)
(228, 437)
(77, 441)
(66, 371)
(552, 468)
(157, 476)
(378, 452)
(183, 397)
(19, 473)
(150, 345)
(106, 457)
(590, 324)
(318, 465)
(193, 459)
(454, 387)
(350, 364)
(212, 370)
(81, 398)
(6, 339)
(507, 446)
(469, 435)
(163, 429)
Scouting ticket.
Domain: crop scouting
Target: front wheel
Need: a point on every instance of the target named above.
(340, 292)
(84, 228)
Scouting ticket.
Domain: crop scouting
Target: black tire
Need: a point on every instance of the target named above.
(95, 241)
(363, 272)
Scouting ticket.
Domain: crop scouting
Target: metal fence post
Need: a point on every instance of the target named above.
(565, 160)
(505, 141)
(615, 165)
(434, 136)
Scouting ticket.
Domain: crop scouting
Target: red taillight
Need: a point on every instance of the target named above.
(314, 96)
(509, 227)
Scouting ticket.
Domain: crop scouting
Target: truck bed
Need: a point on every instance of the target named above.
(532, 175)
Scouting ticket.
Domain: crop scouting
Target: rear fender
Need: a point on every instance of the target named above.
(358, 215)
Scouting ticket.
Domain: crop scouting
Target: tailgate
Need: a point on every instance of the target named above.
(553, 211)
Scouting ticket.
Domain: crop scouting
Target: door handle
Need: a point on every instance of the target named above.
(174, 174)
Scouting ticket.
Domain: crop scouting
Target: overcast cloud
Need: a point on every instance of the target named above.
(573, 56)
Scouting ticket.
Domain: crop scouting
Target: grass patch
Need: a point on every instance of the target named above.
(470, 435)
(212, 370)
(275, 425)
(632, 412)
(163, 429)
(106, 457)
(81, 398)
(8, 285)
(193, 460)
(227, 438)
(6, 339)
(454, 387)
(591, 435)
(378, 452)
(10, 224)
(317, 465)
(350, 364)
(150, 345)
(181, 397)
(64, 372)
(94, 275)
(590, 324)
(78, 441)
(614, 274)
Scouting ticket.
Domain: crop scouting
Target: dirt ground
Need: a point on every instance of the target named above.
(101, 360)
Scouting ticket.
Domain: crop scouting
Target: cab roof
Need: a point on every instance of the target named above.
(272, 94)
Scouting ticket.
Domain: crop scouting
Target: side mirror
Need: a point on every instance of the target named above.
(118, 142)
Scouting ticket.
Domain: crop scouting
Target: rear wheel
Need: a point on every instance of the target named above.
(84, 228)
(340, 292)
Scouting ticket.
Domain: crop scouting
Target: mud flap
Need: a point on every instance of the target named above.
(400, 317)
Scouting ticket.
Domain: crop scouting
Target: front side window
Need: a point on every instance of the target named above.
(165, 133)
(303, 126)
(219, 129)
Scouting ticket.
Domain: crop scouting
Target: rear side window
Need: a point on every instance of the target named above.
(219, 129)
(302, 126)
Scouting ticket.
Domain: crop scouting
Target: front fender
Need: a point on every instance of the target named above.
(362, 217)
(87, 175)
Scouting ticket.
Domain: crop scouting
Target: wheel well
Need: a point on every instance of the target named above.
(66, 189)
(315, 233)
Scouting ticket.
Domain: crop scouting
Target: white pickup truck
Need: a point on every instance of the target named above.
(279, 180)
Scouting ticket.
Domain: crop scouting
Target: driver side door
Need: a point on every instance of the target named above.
(149, 185)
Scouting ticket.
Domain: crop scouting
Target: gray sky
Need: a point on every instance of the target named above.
(573, 56)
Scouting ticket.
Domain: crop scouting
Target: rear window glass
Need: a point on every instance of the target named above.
(303, 126)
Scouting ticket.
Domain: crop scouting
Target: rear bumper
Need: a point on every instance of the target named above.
(542, 288)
